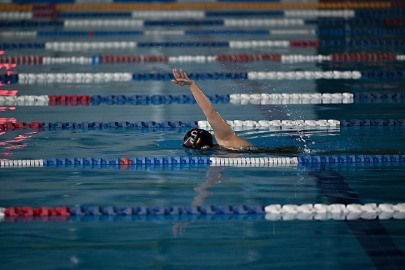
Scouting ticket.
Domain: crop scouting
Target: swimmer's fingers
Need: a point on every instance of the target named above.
(176, 73)
(181, 78)
(181, 82)
(185, 76)
(178, 81)
(176, 76)
(184, 81)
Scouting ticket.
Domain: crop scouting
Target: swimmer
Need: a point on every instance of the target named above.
(226, 137)
(200, 138)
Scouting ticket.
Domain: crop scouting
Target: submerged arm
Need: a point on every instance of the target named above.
(223, 133)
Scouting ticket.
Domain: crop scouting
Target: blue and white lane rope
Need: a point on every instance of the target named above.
(201, 14)
(131, 23)
(183, 166)
(272, 32)
(273, 212)
(118, 45)
(236, 99)
(86, 78)
(235, 124)
(212, 161)
(239, 99)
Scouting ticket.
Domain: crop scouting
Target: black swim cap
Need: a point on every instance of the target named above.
(197, 138)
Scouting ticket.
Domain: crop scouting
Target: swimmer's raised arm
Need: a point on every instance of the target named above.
(223, 133)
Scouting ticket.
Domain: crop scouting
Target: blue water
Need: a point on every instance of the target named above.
(201, 242)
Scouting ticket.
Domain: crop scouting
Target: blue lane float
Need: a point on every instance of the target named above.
(172, 210)
(372, 122)
(134, 218)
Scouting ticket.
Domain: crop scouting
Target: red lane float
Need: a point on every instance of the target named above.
(70, 100)
(20, 125)
(362, 57)
(394, 21)
(304, 43)
(41, 211)
(45, 15)
(125, 161)
(23, 60)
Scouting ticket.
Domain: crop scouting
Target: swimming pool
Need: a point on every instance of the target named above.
(103, 149)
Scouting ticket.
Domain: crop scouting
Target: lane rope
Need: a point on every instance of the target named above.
(318, 211)
(190, 166)
(119, 59)
(87, 78)
(201, 6)
(213, 161)
(236, 99)
(235, 124)
(194, 14)
(272, 32)
(200, 14)
(109, 45)
(131, 23)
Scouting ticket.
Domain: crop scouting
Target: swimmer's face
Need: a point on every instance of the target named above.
(198, 139)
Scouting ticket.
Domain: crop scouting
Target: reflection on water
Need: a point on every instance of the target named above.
(15, 143)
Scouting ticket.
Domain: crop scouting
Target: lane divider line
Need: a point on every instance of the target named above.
(119, 59)
(318, 211)
(111, 45)
(214, 161)
(235, 124)
(87, 78)
(201, 6)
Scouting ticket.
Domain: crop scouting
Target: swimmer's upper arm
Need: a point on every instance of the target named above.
(223, 132)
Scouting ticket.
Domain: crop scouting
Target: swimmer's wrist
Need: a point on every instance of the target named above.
(191, 82)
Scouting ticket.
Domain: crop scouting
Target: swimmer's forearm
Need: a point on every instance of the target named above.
(202, 100)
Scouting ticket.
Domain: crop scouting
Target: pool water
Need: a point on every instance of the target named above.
(245, 241)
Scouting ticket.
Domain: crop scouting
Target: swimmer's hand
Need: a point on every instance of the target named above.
(181, 78)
